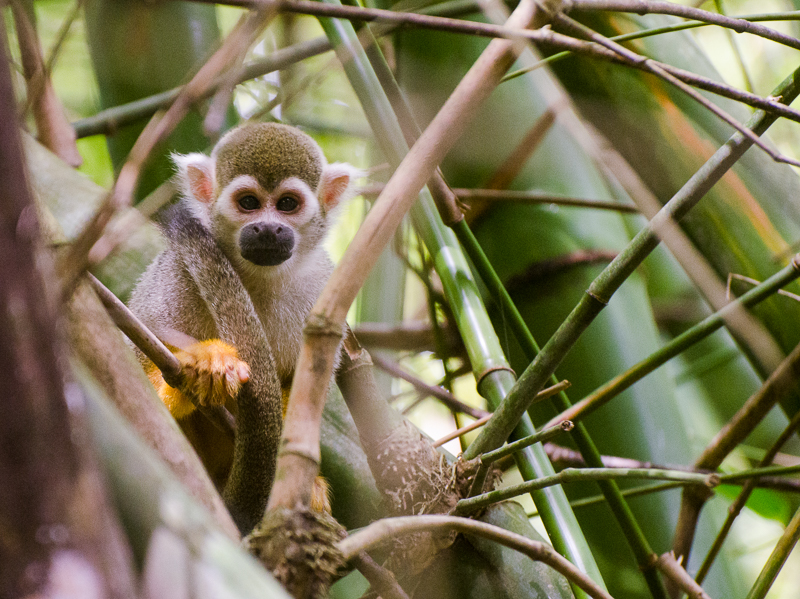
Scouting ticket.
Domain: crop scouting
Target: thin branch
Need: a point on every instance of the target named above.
(697, 333)
(641, 7)
(380, 579)
(106, 122)
(61, 36)
(521, 443)
(656, 70)
(777, 559)
(447, 398)
(158, 354)
(584, 474)
(415, 335)
(514, 162)
(571, 45)
(52, 126)
(779, 384)
(670, 567)
(386, 530)
(544, 435)
(752, 281)
(524, 197)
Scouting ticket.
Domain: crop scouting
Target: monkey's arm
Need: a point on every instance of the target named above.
(213, 373)
(259, 419)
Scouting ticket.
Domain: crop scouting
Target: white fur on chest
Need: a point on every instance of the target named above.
(283, 299)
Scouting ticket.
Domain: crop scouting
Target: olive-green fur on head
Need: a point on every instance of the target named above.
(271, 153)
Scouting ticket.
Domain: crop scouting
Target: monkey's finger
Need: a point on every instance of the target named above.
(242, 371)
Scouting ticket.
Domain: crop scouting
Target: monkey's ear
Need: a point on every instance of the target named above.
(337, 184)
(196, 175)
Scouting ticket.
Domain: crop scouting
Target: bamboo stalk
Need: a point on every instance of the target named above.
(486, 354)
(611, 278)
(697, 333)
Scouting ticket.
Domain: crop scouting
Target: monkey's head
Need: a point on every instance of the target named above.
(265, 192)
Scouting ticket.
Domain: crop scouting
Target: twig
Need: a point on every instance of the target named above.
(450, 400)
(510, 168)
(670, 567)
(462, 431)
(640, 7)
(409, 335)
(584, 474)
(669, 78)
(544, 435)
(385, 530)
(52, 126)
(61, 36)
(382, 580)
(521, 443)
(106, 122)
(700, 331)
(570, 45)
(524, 197)
(752, 281)
(158, 354)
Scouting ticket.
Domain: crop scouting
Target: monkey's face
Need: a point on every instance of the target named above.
(268, 227)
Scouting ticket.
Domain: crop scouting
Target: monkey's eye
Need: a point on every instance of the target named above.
(249, 202)
(286, 204)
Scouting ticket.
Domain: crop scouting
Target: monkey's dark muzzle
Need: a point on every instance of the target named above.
(266, 244)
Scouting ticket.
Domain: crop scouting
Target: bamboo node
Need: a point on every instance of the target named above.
(479, 377)
(320, 325)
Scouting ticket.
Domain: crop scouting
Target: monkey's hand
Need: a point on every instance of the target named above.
(213, 374)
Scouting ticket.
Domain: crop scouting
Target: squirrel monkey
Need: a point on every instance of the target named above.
(265, 194)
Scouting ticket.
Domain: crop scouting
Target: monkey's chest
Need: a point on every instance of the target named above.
(283, 326)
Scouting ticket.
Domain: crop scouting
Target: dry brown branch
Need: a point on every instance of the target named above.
(440, 393)
(676, 574)
(159, 355)
(388, 529)
(53, 128)
(522, 197)
(416, 336)
(508, 171)
(299, 459)
(558, 41)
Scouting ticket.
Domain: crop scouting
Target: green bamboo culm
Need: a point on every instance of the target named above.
(611, 278)
(483, 346)
(634, 534)
(697, 333)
